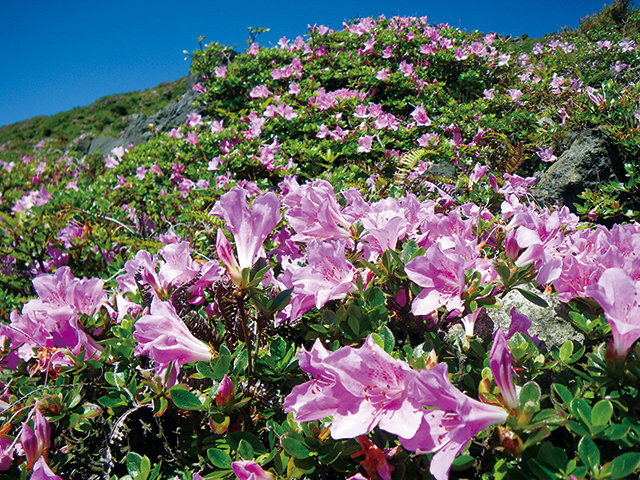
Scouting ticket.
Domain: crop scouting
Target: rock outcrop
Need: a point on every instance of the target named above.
(590, 161)
(141, 127)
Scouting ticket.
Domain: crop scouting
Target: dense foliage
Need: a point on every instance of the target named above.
(300, 281)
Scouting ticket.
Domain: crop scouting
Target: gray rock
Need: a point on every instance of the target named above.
(549, 324)
(141, 127)
(590, 161)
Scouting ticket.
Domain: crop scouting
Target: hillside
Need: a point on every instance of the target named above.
(303, 260)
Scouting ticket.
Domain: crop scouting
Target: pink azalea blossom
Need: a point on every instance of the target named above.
(7, 449)
(313, 212)
(364, 143)
(451, 422)
(260, 91)
(420, 116)
(619, 295)
(250, 226)
(546, 155)
(360, 388)
(194, 119)
(441, 274)
(515, 94)
(249, 470)
(35, 442)
(192, 138)
(221, 71)
(327, 276)
(41, 471)
(165, 338)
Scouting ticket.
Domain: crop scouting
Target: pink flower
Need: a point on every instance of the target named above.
(6, 452)
(248, 470)
(619, 295)
(250, 226)
(253, 49)
(41, 471)
(515, 94)
(595, 96)
(546, 155)
(313, 212)
(360, 388)
(382, 75)
(165, 338)
(259, 91)
(406, 68)
(327, 276)
(500, 364)
(364, 143)
(192, 138)
(479, 171)
(441, 274)
(451, 422)
(221, 71)
(216, 126)
(420, 116)
(194, 119)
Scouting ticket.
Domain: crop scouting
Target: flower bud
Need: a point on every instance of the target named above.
(225, 396)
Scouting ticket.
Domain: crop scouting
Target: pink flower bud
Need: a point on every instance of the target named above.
(35, 443)
(225, 397)
(511, 248)
(500, 364)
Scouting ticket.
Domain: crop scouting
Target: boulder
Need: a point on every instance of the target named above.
(550, 324)
(590, 161)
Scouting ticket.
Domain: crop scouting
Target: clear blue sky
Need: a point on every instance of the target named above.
(57, 55)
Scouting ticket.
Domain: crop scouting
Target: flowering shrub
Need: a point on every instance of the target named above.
(299, 282)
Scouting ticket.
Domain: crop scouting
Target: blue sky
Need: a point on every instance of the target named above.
(57, 55)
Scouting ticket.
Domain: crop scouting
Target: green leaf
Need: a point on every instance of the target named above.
(566, 350)
(219, 458)
(113, 399)
(138, 467)
(581, 410)
(462, 462)
(295, 448)
(530, 394)
(622, 466)
(409, 251)
(601, 413)
(184, 399)
(615, 432)
(332, 455)
(205, 370)
(388, 338)
(245, 450)
(221, 367)
(564, 393)
(533, 298)
(589, 453)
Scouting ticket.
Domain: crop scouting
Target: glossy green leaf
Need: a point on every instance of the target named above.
(530, 394)
(184, 399)
(564, 393)
(622, 466)
(219, 458)
(601, 413)
(533, 298)
(245, 450)
(295, 448)
(589, 453)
